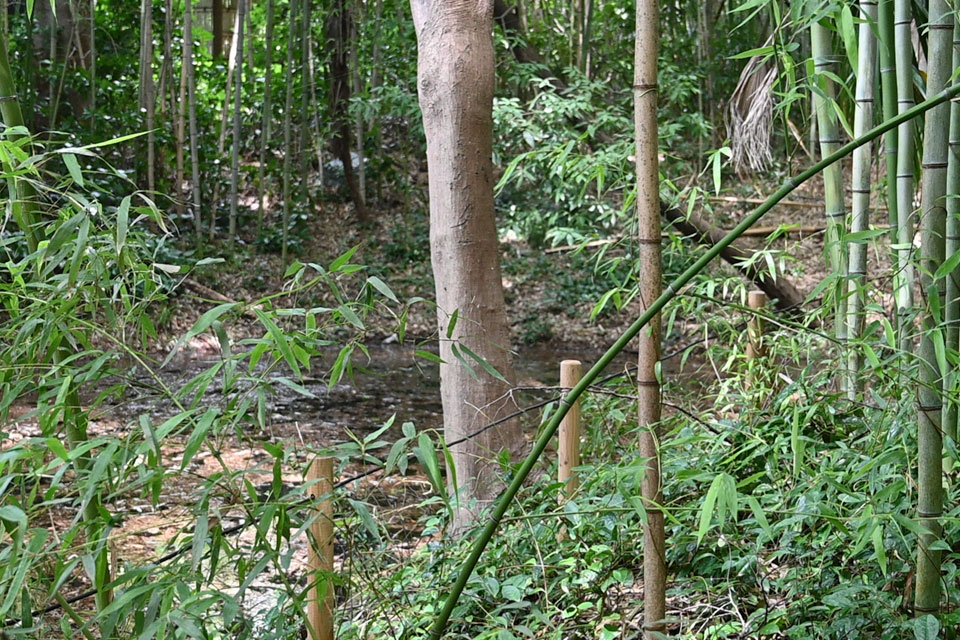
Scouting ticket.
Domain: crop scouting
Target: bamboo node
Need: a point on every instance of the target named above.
(930, 514)
(12, 98)
(646, 87)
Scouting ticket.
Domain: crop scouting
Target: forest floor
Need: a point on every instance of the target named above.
(550, 296)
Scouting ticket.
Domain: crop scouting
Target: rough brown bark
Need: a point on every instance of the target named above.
(338, 38)
(456, 82)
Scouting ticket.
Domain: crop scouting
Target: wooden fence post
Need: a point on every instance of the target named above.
(320, 610)
(569, 446)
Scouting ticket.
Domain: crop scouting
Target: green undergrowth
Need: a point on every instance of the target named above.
(790, 514)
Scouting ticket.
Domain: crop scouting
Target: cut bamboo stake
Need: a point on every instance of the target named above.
(320, 604)
(569, 447)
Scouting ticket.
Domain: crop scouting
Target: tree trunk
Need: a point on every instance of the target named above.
(338, 38)
(648, 395)
(456, 81)
(788, 297)
(217, 19)
(952, 314)
(179, 199)
(222, 138)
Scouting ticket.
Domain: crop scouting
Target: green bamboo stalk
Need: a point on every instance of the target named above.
(267, 123)
(287, 147)
(22, 193)
(835, 207)
(888, 91)
(188, 54)
(906, 215)
(952, 311)
(237, 115)
(306, 131)
(932, 227)
(672, 290)
(862, 161)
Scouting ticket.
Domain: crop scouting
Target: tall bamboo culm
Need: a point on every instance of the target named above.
(146, 85)
(862, 161)
(267, 121)
(906, 216)
(833, 187)
(237, 115)
(192, 114)
(952, 313)
(648, 228)
(888, 92)
(932, 224)
(287, 130)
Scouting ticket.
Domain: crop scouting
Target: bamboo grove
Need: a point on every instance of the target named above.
(233, 123)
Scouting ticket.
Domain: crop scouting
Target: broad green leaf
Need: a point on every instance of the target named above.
(926, 627)
(382, 287)
(848, 33)
(198, 436)
(202, 324)
(123, 215)
(483, 363)
(280, 340)
(73, 167)
(337, 264)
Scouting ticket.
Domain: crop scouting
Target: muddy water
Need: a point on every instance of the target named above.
(393, 381)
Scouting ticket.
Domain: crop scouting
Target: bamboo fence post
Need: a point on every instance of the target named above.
(320, 609)
(569, 447)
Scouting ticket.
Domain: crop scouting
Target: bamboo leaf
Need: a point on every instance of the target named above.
(280, 340)
(879, 549)
(73, 167)
(848, 33)
(382, 287)
(198, 436)
(706, 512)
(926, 627)
(123, 215)
(948, 266)
(338, 264)
(483, 363)
(203, 323)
